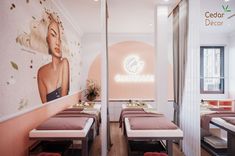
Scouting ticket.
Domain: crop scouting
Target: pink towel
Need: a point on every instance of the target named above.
(151, 123)
(135, 112)
(59, 123)
(205, 119)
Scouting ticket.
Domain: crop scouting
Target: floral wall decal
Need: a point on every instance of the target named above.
(14, 65)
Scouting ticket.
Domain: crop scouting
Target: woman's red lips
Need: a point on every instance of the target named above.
(57, 49)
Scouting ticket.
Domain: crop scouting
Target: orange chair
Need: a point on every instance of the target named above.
(212, 102)
(225, 103)
(154, 154)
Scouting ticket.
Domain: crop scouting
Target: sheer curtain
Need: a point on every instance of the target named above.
(176, 63)
(186, 73)
(180, 31)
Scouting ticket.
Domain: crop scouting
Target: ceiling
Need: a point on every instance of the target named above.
(125, 16)
(135, 16)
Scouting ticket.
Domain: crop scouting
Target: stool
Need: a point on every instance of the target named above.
(154, 154)
(48, 154)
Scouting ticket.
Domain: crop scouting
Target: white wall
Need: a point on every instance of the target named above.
(211, 35)
(232, 66)
(91, 47)
(162, 38)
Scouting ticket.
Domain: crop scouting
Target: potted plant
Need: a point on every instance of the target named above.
(92, 91)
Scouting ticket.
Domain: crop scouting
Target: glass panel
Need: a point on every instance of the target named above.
(213, 84)
(212, 80)
(212, 63)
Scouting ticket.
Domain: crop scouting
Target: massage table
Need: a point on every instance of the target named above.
(145, 135)
(82, 135)
(230, 128)
(88, 112)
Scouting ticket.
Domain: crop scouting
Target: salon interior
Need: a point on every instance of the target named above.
(117, 78)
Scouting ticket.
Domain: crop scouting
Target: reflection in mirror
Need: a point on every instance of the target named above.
(217, 77)
(131, 66)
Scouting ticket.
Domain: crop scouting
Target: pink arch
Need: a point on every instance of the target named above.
(117, 53)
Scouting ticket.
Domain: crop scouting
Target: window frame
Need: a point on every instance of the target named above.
(222, 70)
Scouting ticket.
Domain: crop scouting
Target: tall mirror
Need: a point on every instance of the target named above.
(217, 54)
(132, 70)
(86, 15)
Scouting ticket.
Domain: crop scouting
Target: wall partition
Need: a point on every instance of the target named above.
(189, 110)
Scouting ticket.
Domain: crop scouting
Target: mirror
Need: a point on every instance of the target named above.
(131, 61)
(217, 54)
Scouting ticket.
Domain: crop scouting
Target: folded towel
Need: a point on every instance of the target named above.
(152, 110)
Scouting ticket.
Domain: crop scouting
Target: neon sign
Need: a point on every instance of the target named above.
(133, 66)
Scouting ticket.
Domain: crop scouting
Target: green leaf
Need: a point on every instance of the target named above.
(223, 7)
(226, 9)
(14, 65)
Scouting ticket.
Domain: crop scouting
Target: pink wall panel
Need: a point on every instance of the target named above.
(117, 53)
(14, 132)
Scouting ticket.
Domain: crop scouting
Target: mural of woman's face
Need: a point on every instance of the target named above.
(53, 39)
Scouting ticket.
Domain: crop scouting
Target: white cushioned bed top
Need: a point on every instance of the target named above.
(224, 123)
(152, 133)
(62, 133)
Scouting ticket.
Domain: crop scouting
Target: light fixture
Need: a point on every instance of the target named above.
(150, 24)
(166, 0)
(96, 0)
(226, 0)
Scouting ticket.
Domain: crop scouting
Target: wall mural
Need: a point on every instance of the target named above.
(40, 55)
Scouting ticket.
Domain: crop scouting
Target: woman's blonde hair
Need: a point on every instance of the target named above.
(36, 39)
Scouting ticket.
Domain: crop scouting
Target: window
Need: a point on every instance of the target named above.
(212, 70)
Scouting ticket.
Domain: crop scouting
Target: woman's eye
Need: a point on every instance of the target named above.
(53, 34)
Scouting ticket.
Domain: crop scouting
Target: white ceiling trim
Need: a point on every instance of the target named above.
(67, 15)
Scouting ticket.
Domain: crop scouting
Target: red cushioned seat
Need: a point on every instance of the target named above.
(154, 154)
(48, 154)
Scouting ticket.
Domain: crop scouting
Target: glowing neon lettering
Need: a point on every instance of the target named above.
(133, 66)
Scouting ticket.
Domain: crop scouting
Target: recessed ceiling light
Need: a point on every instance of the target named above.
(166, 0)
(96, 0)
(150, 24)
(226, 0)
